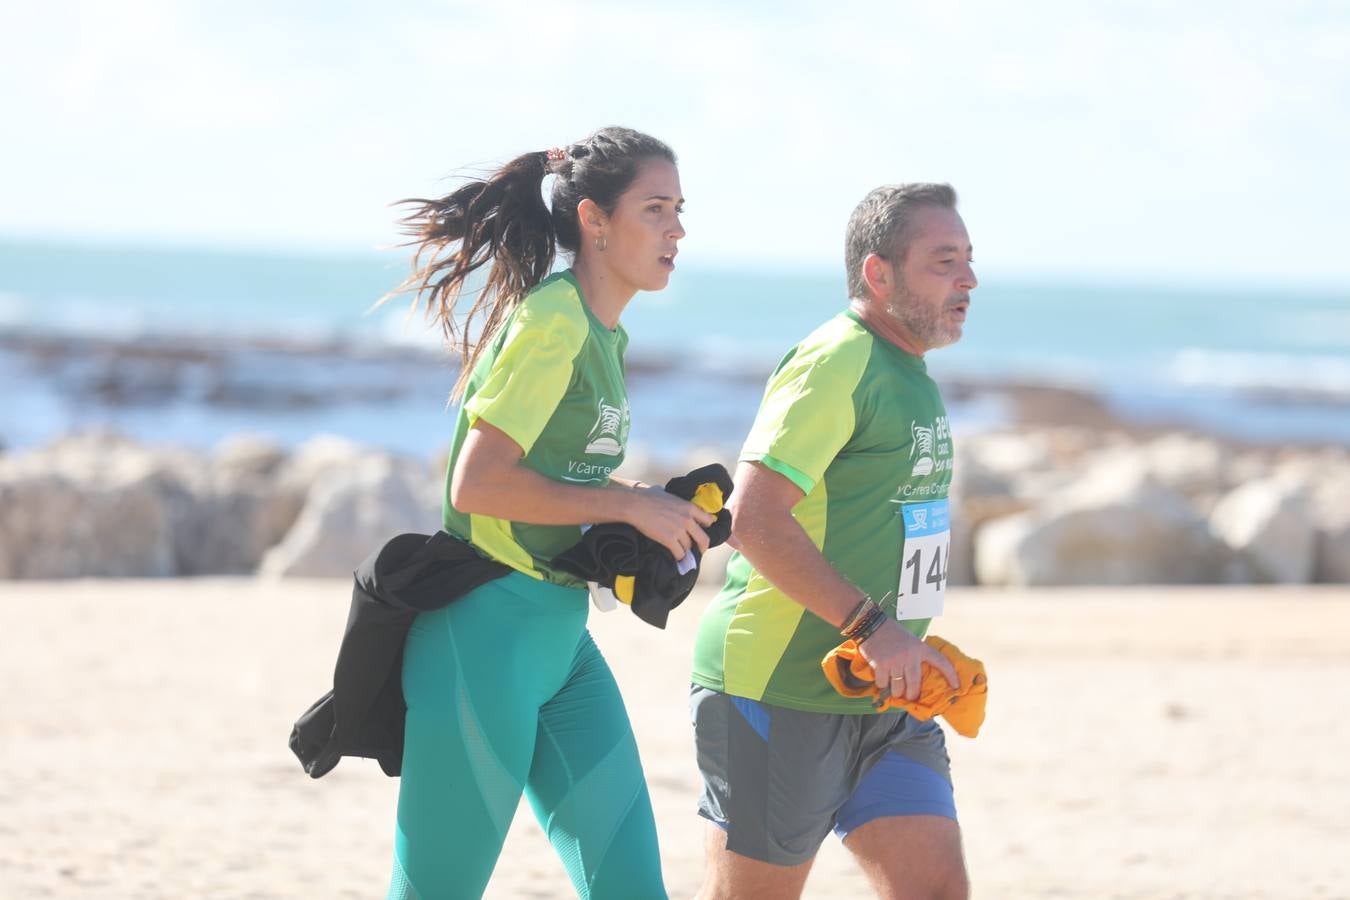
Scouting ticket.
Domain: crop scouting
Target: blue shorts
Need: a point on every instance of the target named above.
(777, 780)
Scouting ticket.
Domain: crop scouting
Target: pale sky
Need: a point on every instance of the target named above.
(1201, 142)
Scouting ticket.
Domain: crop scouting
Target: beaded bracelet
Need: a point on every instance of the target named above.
(852, 618)
(864, 620)
(869, 625)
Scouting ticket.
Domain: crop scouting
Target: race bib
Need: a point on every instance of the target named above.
(923, 571)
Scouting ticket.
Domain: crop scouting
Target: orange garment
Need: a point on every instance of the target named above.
(962, 707)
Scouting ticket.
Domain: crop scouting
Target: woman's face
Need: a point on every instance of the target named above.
(642, 233)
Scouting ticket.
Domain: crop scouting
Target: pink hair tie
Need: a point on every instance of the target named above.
(555, 154)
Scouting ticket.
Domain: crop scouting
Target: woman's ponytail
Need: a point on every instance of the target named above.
(502, 221)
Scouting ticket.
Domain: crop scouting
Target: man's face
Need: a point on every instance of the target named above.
(932, 293)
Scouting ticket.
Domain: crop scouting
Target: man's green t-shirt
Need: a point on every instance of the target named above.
(552, 380)
(859, 426)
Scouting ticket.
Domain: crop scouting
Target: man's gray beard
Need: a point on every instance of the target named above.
(924, 323)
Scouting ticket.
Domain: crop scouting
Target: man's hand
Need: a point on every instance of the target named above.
(897, 659)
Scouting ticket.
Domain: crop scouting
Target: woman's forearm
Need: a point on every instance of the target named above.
(489, 479)
(513, 491)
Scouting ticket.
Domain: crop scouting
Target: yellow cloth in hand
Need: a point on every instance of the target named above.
(962, 706)
(708, 497)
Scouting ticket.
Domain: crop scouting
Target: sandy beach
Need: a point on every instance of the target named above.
(1140, 743)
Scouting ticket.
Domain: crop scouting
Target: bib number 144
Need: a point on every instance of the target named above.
(923, 571)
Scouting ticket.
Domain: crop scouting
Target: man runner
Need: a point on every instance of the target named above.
(841, 508)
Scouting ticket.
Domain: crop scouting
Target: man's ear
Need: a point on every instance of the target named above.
(879, 276)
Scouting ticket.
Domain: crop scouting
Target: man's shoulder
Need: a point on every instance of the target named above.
(837, 345)
(839, 332)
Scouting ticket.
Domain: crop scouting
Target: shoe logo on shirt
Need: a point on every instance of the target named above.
(922, 448)
(610, 431)
(931, 451)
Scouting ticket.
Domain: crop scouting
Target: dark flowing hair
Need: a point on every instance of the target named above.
(503, 220)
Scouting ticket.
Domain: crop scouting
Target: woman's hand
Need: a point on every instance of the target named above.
(674, 523)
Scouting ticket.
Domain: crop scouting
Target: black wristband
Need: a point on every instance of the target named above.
(851, 620)
(869, 627)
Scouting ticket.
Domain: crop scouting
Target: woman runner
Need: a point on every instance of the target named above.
(505, 689)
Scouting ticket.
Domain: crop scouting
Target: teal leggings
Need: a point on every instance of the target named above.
(506, 691)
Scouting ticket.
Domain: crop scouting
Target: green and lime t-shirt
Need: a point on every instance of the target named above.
(553, 380)
(859, 426)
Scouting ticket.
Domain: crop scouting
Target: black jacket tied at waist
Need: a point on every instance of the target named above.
(363, 715)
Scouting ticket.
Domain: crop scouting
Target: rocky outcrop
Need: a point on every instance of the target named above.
(1052, 506)
(350, 512)
(1117, 525)
(85, 508)
(1268, 525)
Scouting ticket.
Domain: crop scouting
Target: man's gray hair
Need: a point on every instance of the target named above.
(881, 224)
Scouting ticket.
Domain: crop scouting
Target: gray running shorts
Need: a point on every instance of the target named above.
(777, 780)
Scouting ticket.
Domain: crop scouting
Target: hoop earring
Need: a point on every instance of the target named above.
(601, 243)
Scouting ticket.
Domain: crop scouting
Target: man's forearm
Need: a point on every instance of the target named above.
(781, 550)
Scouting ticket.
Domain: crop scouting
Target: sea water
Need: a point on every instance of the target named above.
(290, 347)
